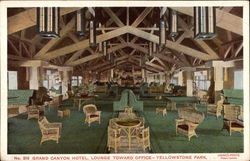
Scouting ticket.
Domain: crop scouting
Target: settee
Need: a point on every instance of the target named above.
(128, 98)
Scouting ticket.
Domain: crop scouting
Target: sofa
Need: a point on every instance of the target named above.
(17, 101)
(128, 98)
(234, 96)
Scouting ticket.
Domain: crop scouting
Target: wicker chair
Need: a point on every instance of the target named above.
(49, 131)
(33, 112)
(233, 118)
(216, 109)
(189, 121)
(144, 139)
(128, 109)
(91, 114)
(56, 102)
(114, 138)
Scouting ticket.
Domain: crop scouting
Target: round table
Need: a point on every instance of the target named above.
(128, 125)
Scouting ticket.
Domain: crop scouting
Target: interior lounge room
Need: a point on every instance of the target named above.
(87, 80)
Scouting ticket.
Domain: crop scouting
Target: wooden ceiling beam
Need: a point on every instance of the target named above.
(169, 59)
(142, 16)
(237, 51)
(14, 47)
(111, 20)
(113, 16)
(15, 57)
(226, 20)
(155, 66)
(84, 43)
(89, 58)
(169, 44)
(201, 43)
(27, 19)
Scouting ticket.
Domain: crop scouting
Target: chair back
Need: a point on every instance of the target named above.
(220, 103)
(191, 115)
(90, 108)
(231, 112)
(128, 109)
(145, 133)
(42, 122)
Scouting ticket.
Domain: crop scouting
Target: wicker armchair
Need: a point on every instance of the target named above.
(33, 112)
(216, 109)
(189, 121)
(49, 131)
(114, 138)
(56, 102)
(128, 109)
(144, 139)
(91, 114)
(233, 118)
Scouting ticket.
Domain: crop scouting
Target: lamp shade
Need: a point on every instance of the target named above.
(154, 49)
(204, 22)
(162, 29)
(173, 20)
(80, 22)
(105, 49)
(92, 33)
(48, 21)
(150, 49)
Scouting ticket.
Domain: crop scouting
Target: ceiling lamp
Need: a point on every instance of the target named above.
(92, 33)
(204, 22)
(154, 48)
(163, 33)
(80, 22)
(173, 29)
(48, 21)
(150, 49)
(105, 49)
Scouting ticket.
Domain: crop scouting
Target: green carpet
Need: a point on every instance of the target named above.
(77, 138)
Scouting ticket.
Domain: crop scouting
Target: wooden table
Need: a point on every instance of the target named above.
(128, 125)
(81, 99)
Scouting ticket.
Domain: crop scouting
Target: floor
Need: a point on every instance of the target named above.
(77, 138)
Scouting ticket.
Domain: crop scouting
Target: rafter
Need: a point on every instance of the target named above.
(91, 57)
(142, 16)
(113, 16)
(201, 43)
(84, 44)
(169, 44)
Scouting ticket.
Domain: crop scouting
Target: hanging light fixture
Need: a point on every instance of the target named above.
(204, 22)
(173, 20)
(80, 22)
(154, 48)
(163, 33)
(150, 49)
(105, 49)
(48, 21)
(100, 43)
(92, 33)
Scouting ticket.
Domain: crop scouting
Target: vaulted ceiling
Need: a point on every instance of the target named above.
(127, 31)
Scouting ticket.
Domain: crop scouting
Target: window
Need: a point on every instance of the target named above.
(201, 82)
(238, 79)
(76, 80)
(174, 80)
(12, 79)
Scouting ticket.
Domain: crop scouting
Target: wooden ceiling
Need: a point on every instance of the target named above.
(128, 31)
